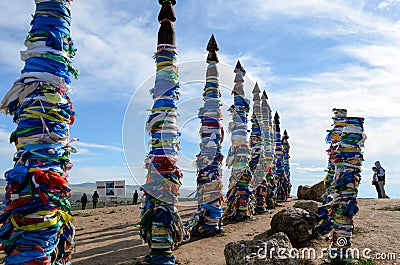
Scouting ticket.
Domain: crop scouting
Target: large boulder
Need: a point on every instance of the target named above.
(308, 205)
(302, 191)
(297, 223)
(260, 251)
(311, 193)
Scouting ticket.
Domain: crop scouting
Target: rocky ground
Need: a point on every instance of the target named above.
(108, 235)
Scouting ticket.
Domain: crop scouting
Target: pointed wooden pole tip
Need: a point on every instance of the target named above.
(256, 89)
(166, 17)
(172, 2)
(265, 94)
(167, 12)
(264, 98)
(285, 135)
(212, 44)
(239, 69)
(238, 65)
(212, 48)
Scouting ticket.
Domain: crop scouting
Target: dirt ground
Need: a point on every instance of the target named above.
(108, 235)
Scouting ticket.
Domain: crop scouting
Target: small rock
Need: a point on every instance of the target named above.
(254, 252)
(297, 223)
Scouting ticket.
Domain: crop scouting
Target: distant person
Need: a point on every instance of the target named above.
(84, 201)
(375, 182)
(95, 199)
(380, 173)
(135, 197)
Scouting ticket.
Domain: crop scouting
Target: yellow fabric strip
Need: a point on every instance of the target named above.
(61, 215)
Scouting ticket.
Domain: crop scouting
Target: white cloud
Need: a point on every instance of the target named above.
(82, 173)
(309, 169)
(6, 149)
(386, 4)
(110, 57)
(98, 146)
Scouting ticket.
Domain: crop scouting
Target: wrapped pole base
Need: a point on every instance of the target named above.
(261, 198)
(162, 229)
(240, 199)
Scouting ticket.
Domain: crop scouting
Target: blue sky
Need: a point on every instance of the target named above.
(310, 56)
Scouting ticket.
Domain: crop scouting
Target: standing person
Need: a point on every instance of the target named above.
(95, 199)
(375, 182)
(84, 201)
(380, 172)
(135, 197)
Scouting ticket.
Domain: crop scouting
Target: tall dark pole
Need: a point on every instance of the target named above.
(256, 139)
(268, 150)
(347, 180)
(240, 194)
(257, 162)
(161, 226)
(279, 168)
(207, 220)
(333, 138)
(37, 220)
(287, 185)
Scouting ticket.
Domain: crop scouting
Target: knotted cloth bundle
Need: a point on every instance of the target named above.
(325, 211)
(160, 225)
(36, 221)
(346, 181)
(240, 196)
(207, 221)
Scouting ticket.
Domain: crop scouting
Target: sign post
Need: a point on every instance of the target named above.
(112, 188)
